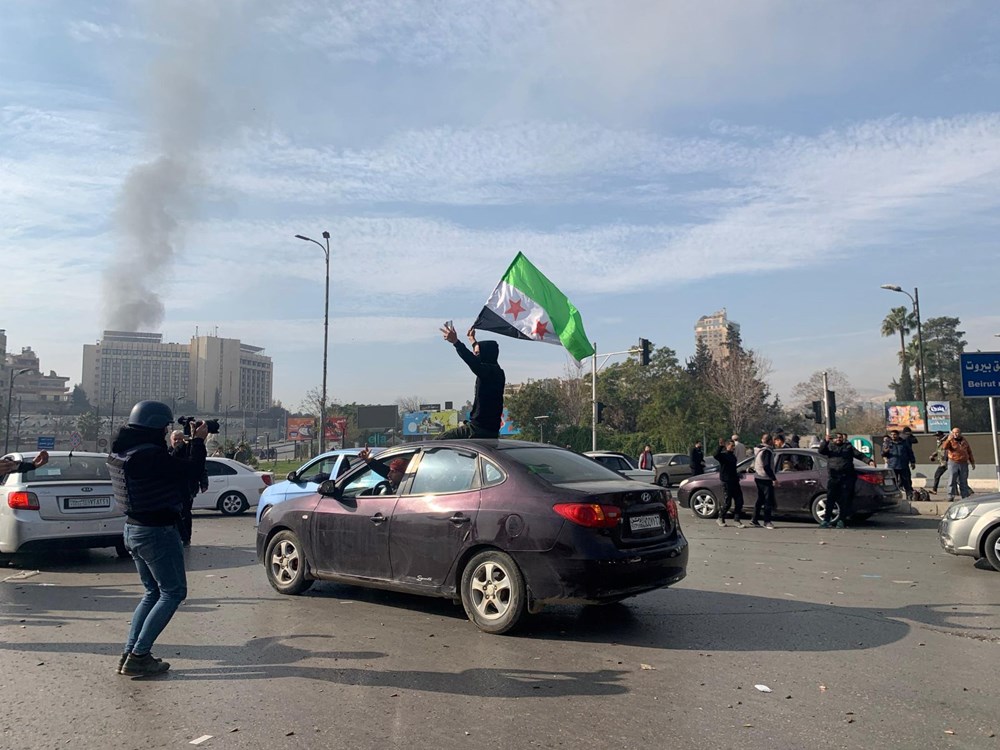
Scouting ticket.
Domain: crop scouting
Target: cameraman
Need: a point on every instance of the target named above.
(151, 487)
(181, 448)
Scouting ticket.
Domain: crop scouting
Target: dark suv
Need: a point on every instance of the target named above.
(800, 489)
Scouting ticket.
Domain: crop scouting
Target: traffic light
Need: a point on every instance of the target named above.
(817, 414)
(644, 347)
(831, 410)
(600, 408)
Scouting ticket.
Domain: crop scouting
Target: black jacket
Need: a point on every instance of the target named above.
(727, 465)
(184, 452)
(156, 483)
(840, 457)
(487, 406)
(697, 461)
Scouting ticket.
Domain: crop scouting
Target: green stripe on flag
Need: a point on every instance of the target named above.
(564, 316)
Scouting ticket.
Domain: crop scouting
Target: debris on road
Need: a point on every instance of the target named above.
(763, 688)
(200, 740)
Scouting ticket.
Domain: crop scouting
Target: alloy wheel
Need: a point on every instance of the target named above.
(285, 562)
(491, 590)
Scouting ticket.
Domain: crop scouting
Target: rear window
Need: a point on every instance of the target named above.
(557, 466)
(70, 469)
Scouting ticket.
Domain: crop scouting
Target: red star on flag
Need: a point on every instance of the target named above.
(541, 329)
(515, 308)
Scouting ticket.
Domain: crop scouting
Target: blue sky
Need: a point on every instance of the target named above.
(658, 160)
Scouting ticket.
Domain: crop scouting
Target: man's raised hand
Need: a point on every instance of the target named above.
(449, 333)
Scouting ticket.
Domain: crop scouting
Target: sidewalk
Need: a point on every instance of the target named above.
(939, 504)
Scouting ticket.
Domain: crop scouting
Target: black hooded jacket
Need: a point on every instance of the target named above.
(156, 482)
(487, 406)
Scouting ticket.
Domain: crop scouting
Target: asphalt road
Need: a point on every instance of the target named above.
(868, 637)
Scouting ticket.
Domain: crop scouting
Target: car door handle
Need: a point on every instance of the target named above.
(809, 481)
(378, 519)
(458, 519)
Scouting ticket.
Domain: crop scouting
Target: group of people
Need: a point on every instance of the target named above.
(155, 486)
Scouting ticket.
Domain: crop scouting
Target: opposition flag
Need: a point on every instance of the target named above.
(526, 305)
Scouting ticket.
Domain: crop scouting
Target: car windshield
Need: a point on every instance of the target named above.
(70, 468)
(557, 466)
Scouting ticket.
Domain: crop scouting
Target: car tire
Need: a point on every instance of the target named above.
(704, 504)
(663, 480)
(819, 508)
(232, 503)
(122, 551)
(991, 548)
(494, 594)
(285, 562)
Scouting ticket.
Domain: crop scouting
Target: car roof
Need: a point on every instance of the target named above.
(28, 455)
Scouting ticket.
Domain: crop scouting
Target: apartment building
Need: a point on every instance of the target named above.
(713, 331)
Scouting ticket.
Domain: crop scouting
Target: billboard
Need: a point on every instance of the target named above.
(335, 428)
(377, 417)
(429, 422)
(939, 416)
(301, 428)
(900, 414)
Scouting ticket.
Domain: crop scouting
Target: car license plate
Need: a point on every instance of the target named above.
(889, 481)
(644, 523)
(75, 503)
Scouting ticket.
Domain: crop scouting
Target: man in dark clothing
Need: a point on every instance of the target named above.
(841, 478)
(764, 478)
(941, 456)
(730, 477)
(898, 453)
(150, 487)
(487, 406)
(179, 448)
(393, 472)
(697, 457)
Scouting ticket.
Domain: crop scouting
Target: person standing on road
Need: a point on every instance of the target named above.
(842, 477)
(901, 460)
(697, 457)
(940, 455)
(487, 406)
(739, 449)
(726, 456)
(763, 466)
(646, 459)
(150, 487)
(180, 448)
(960, 458)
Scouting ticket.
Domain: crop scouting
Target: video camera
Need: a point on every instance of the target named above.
(190, 423)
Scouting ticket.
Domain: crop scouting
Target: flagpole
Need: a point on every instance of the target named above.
(593, 400)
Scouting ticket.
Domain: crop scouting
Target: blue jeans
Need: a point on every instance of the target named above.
(958, 479)
(159, 558)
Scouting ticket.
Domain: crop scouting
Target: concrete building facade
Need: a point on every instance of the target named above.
(713, 331)
(207, 375)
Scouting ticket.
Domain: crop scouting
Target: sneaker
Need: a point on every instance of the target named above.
(121, 661)
(840, 524)
(143, 666)
(720, 521)
(740, 524)
(824, 524)
(755, 524)
(951, 498)
(768, 525)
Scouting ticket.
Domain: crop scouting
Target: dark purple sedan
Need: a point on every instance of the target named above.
(506, 526)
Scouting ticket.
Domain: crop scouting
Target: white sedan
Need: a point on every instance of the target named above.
(232, 487)
(624, 465)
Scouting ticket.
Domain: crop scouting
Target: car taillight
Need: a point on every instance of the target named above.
(591, 515)
(871, 478)
(672, 510)
(268, 479)
(23, 500)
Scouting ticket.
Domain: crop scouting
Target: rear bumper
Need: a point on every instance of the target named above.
(24, 530)
(877, 503)
(599, 572)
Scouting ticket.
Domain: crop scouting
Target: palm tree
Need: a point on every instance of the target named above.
(901, 321)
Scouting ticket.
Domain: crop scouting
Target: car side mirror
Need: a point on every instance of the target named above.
(292, 477)
(329, 488)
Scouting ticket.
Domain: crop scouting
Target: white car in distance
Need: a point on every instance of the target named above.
(232, 487)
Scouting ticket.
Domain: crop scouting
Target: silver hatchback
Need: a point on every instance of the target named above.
(973, 528)
(67, 503)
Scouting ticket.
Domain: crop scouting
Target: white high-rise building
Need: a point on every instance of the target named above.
(713, 330)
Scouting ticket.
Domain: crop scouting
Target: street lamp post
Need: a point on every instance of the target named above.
(10, 396)
(111, 427)
(326, 335)
(915, 299)
(541, 426)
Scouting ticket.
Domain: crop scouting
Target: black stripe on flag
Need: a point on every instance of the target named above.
(488, 320)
